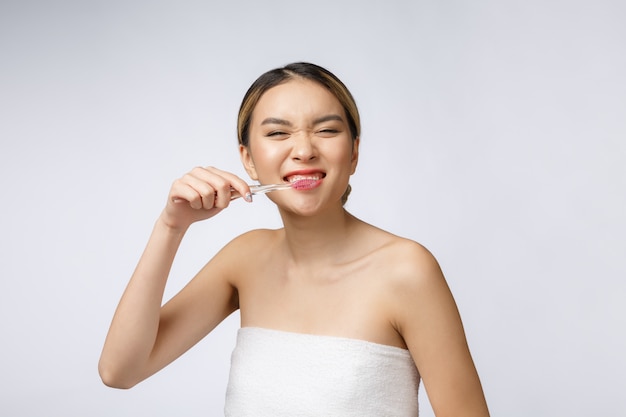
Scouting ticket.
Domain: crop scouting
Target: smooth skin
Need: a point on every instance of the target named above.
(325, 272)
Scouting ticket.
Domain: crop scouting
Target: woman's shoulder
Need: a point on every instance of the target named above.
(399, 248)
(251, 245)
(406, 261)
(410, 253)
(253, 240)
(239, 257)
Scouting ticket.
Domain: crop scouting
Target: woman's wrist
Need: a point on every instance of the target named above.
(173, 228)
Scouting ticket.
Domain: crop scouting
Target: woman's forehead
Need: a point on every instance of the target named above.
(298, 97)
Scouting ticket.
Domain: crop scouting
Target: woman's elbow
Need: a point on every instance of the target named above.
(113, 378)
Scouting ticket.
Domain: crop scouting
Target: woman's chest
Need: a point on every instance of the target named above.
(353, 302)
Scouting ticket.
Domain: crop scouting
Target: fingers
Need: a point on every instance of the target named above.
(235, 186)
(206, 188)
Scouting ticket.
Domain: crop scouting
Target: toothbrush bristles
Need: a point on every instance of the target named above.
(303, 184)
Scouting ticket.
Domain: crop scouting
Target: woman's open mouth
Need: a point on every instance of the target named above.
(305, 181)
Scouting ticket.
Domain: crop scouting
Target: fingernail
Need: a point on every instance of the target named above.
(248, 197)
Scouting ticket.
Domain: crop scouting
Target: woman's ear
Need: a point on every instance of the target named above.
(248, 162)
(355, 154)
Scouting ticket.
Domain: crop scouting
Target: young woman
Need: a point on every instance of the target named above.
(338, 317)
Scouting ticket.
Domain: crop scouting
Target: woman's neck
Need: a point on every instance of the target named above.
(321, 238)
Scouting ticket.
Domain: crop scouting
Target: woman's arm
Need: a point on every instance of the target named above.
(144, 337)
(429, 322)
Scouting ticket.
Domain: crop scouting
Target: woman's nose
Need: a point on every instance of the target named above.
(303, 148)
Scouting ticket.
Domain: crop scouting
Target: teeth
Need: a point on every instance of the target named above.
(295, 178)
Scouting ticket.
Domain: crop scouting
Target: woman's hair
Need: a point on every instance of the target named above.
(302, 70)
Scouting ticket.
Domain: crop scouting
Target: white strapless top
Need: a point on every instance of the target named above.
(276, 373)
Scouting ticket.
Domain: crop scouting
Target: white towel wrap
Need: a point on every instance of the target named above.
(276, 373)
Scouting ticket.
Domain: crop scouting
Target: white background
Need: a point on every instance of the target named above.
(494, 133)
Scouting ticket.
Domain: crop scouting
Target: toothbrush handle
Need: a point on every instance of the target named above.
(261, 189)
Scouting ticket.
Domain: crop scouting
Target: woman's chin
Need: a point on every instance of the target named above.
(307, 207)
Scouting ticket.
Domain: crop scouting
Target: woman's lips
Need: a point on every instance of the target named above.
(297, 176)
(294, 178)
(305, 180)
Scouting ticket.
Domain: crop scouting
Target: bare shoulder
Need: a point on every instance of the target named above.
(412, 260)
(245, 250)
(408, 263)
(401, 264)
(414, 266)
(415, 286)
(253, 239)
(403, 270)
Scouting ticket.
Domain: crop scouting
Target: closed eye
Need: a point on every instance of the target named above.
(275, 133)
(328, 132)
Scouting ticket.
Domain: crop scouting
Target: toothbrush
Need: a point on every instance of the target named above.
(303, 184)
(255, 189)
(262, 189)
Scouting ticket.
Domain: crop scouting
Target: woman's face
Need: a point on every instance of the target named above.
(298, 130)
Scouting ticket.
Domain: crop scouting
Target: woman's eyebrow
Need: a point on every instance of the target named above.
(276, 121)
(283, 122)
(328, 118)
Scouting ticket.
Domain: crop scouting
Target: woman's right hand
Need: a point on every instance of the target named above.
(201, 194)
